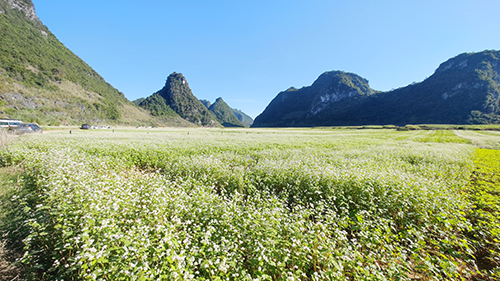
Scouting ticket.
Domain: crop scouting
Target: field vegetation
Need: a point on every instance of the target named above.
(8, 270)
(246, 204)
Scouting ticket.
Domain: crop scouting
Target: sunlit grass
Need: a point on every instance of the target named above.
(485, 213)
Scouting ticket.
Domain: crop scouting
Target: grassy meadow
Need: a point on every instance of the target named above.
(253, 204)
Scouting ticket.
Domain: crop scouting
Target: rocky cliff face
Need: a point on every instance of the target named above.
(26, 6)
(333, 87)
(464, 89)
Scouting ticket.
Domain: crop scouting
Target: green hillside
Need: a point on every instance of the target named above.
(43, 81)
(225, 114)
(138, 101)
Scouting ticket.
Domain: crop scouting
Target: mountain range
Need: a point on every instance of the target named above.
(221, 109)
(177, 99)
(463, 90)
(44, 82)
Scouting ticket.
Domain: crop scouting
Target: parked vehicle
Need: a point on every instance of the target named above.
(9, 123)
(35, 128)
(26, 129)
(86, 127)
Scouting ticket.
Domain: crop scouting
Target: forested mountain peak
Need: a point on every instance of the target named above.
(298, 107)
(176, 98)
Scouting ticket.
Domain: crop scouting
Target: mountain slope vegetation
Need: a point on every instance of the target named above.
(43, 81)
(463, 90)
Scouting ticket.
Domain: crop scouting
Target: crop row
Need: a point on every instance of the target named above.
(484, 194)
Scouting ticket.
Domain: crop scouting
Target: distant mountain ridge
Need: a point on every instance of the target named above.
(464, 89)
(225, 114)
(333, 90)
(177, 99)
(243, 118)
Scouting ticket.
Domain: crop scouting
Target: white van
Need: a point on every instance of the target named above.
(9, 123)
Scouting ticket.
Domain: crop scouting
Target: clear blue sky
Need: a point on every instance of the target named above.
(248, 51)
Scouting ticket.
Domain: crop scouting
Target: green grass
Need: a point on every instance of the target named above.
(209, 204)
(485, 211)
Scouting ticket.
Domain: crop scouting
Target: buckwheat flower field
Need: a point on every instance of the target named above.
(244, 204)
